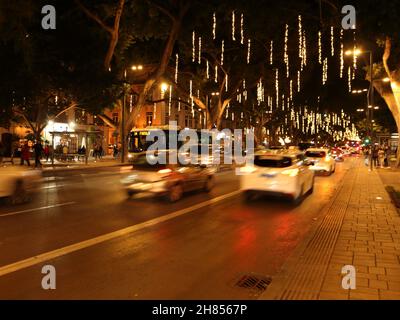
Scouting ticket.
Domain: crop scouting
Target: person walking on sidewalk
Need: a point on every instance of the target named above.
(375, 156)
(381, 157)
(46, 152)
(38, 153)
(367, 153)
(25, 154)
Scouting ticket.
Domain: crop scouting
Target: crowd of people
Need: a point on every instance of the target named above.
(378, 154)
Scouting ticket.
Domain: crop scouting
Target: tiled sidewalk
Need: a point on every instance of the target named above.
(361, 227)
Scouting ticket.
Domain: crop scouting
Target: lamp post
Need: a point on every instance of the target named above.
(370, 96)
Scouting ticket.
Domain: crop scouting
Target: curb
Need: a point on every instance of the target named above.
(393, 195)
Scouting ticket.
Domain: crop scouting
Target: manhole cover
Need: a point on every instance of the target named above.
(253, 282)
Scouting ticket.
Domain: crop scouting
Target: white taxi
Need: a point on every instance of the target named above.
(281, 173)
(321, 159)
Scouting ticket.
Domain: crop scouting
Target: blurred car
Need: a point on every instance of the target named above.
(284, 174)
(322, 160)
(338, 154)
(169, 180)
(18, 182)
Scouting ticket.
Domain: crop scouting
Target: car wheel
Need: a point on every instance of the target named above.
(311, 190)
(175, 193)
(296, 201)
(209, 185)
(249, 195)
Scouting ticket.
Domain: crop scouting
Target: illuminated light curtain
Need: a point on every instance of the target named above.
(271, 52)
(214, 27)
(341, 54)
(176, 67)
(193, 46)
(285, 50)
(199, 56)
(233, 26)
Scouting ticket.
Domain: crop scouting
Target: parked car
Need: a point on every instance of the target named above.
(17, 182)
(284, 174)
(169, 180)
(321, 159)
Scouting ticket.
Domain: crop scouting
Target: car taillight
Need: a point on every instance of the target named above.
(291, 172)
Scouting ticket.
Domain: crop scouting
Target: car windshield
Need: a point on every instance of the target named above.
(316, 154)
(272, 162)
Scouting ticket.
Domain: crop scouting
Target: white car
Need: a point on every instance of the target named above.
(282, 173)
(17, 181)
(321, 159)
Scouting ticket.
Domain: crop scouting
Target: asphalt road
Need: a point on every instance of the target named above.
(105, 246)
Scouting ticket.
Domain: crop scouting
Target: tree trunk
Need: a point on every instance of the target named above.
(391, 95)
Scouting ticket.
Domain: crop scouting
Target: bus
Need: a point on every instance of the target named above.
(137, 140)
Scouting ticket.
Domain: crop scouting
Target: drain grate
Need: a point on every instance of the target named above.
(253, 282)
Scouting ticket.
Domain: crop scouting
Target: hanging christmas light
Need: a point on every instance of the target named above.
(176, 67)
(298, 81)
(216, 74)
(354, 51)
(242, 29)
(291, 90)
(207, 69)
(304, 49)
(325, 71)
(199, 59)
(332, 42)
(285, 51)
(170, 100)
(248, 50)
(193, 46)
(214, 26)
(341, 54)
(277, 87)
(154, 110)
(319, 47)
(191, 96)
(222, 53)
(300, 37)
(226, 83)
(349, 78)
(233, 26)
(271, 52)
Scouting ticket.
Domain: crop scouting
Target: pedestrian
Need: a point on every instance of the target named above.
(387, 155)
(115, 151)
(38, 153)
(46, 152)
(375, 156)
(25, 154)
(100, 151)
(366, 156)
(381, 157)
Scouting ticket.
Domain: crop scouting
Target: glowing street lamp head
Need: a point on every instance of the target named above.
(353, 52)
(164, 87)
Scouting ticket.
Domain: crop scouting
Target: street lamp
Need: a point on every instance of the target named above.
(370, 97)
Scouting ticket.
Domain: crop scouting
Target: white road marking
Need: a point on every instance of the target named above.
(53, 187)
(16, 266)
(37, 209)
